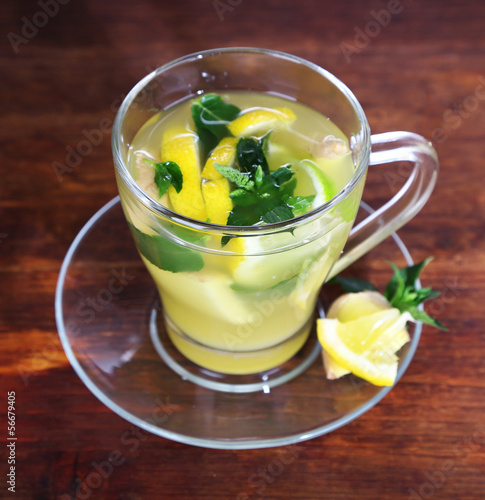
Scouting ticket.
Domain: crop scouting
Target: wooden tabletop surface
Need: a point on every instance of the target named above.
(414, 65)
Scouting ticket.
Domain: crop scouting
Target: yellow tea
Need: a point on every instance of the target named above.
(240, 304)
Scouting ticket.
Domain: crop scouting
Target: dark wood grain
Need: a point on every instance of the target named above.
(423, 72)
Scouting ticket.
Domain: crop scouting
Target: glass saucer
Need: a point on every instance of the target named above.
(105, 304)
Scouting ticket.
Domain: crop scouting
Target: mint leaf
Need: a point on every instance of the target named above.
(420, 315)
(299, 204)
(242, 216)
(401, 291)
(176, 173)
(260, 195)
(411, 273)
(259, 177)
(287, 189)
(274, 180)
(166, 174)
(250, 155)
(395, 287)
(274, 210)
(281, 175)
(163, 179)
(211, 114)
(264, 141)
(240, 179)
(166, 254)
(243, 198)
(426, 293)
(404, 279)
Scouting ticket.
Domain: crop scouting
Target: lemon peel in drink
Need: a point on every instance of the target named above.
(258, 121)
(215, 187)
(181, 147)
(362, 334)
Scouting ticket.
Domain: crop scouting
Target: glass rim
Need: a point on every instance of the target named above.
(165, 212)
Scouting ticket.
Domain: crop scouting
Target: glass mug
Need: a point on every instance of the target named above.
(239, 310)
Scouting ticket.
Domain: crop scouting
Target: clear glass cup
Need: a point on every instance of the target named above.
(248, 307)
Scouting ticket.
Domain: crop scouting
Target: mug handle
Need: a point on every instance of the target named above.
(403, 206)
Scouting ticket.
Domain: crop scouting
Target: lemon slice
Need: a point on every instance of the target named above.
(352, 306)
(362, 337)
(215, 187)
(258, 121)
(381, 374)
(181, 147)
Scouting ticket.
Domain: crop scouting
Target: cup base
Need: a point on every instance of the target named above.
(166, 339)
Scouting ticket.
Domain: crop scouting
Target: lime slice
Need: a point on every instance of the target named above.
(258, 121)
(313, 180)
(181, 147)
(361, 335)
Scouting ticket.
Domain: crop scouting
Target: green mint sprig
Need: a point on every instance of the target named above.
(211, 115)
(260, 196)
(251, 154)
(166, 174)
(166, 254)
(401, 291)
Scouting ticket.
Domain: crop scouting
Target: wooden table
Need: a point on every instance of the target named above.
(413, 65)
